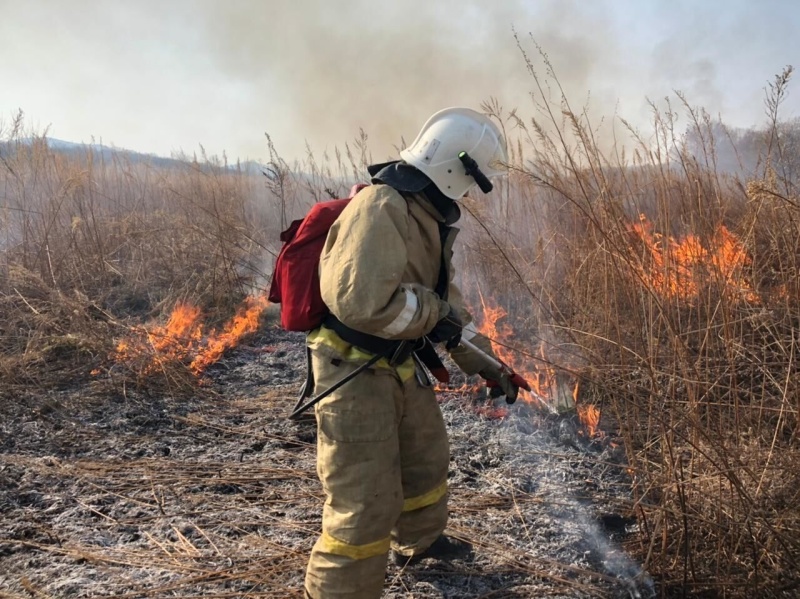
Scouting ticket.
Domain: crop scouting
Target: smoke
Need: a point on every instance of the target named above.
(576, 491)
(157, 76)
(320, 71)
(613, 560)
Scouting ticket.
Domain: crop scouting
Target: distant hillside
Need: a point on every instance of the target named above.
(106, 153)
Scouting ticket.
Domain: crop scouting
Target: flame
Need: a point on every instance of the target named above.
(677, 268)
(181, 339)
(464, 388)
(589, 416)
(151, 347)
(548, 389)
(551, 388)
(244, 322)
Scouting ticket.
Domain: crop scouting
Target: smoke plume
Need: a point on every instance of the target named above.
(158, 77)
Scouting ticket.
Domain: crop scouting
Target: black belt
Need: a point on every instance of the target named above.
(396, 351)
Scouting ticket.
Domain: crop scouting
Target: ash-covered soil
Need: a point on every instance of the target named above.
(216, 496)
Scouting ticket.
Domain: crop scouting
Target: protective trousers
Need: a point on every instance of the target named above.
(382, 458)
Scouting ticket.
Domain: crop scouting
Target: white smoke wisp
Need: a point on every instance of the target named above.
(613, 559)
(573, 492)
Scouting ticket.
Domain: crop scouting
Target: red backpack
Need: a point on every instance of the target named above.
(295, 279)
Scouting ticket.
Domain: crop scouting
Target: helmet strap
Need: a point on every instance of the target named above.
(445, 206)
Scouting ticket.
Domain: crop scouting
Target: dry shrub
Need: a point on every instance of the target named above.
(694, 359)
(156, 235)
(129, 237)
(91, 235)
(48, 338)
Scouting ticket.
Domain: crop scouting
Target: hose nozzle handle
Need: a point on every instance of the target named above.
(474, 171)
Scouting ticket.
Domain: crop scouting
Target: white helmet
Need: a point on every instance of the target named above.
(448, 141)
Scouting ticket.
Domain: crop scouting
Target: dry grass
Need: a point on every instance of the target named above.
(695, 358)
(702, 380)
(222, 500)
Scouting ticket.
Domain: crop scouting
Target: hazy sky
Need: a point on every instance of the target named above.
(168, 75)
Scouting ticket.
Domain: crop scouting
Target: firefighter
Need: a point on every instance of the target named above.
(386, 276)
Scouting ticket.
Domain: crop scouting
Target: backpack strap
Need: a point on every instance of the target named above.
(443, 283)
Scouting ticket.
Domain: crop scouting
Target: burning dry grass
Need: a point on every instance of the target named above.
(671, 292)
(681, 268)
(92, 238)
(641, 283)
(182, 341)
(129, 237)
(702, 379)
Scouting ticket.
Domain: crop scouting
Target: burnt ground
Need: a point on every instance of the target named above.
(121, 494)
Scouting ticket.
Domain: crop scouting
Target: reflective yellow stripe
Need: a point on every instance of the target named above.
(337, 547)
(429, 498)
(350, 353)
(400, 324)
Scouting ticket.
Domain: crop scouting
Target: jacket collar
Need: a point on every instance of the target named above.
(405, 178)
(443, 208)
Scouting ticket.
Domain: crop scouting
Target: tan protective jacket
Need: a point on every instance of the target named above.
(381, 263)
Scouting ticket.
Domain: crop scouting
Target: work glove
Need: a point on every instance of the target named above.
(468, 361)
(447, 330)
(499, 383)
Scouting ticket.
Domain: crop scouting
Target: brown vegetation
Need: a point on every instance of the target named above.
(695, 360)
(670, 290)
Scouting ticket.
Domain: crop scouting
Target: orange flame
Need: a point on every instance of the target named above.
(589, 416)
(551, 388)
(450, 388)
(548, 389)
(181, 339)
(244, 322)
(678, 268)
(151, 347)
